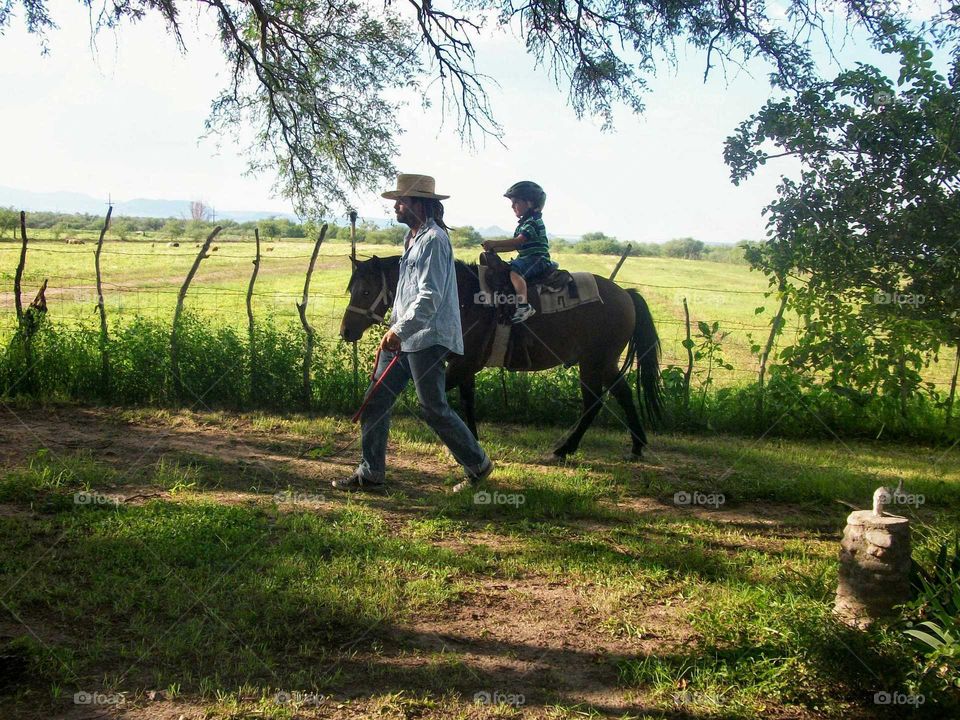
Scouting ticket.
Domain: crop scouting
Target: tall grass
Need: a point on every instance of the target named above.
(217, 369)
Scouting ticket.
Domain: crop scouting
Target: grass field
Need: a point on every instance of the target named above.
(197, 565)
(143, 277)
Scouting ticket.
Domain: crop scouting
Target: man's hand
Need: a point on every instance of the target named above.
(489, 245)
(390, 342)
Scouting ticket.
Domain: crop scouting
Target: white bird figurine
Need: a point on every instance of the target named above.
(883, 496)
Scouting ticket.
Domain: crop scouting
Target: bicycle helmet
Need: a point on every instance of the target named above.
(528, 191)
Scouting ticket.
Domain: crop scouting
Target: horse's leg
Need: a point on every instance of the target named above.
(460, 377)
(591, 388)
(620, 389)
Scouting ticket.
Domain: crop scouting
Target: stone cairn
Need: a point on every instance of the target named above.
(874, 564)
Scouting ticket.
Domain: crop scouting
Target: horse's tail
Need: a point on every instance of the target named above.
(645, 343)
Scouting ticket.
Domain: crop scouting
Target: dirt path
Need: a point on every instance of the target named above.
(531, 640)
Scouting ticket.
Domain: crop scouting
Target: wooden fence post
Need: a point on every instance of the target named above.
(27, 321)
(353, 266)
(174, 349)
(688, 344)
(23, 261)
(902, 377)
(253, 345)
(953, 385)
(308, 329)
(775, 328)
(104, 356)
(623, 257)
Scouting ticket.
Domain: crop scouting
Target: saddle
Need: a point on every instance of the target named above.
(553, 292)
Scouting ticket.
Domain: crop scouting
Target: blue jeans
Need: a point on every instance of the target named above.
(532, 266)
(428, 371)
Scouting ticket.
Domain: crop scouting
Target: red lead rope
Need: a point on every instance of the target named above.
(376, 364)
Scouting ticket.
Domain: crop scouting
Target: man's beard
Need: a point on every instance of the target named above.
(408, 217)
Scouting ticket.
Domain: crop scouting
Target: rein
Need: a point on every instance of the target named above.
(384, 296)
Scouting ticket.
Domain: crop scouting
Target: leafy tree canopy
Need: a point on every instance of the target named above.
(688, 248)
(312, 77)
(866, 239)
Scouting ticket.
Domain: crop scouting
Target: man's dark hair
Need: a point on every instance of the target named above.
(432, 210)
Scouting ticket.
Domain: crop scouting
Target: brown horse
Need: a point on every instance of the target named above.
(593, 336)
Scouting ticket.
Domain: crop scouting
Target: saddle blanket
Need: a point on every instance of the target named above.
(547, 300)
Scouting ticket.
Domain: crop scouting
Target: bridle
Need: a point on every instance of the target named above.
(384, 296)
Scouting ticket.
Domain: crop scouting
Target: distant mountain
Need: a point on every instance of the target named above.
(493, 231)
(70, 202)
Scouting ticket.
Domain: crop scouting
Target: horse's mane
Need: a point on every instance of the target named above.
(467, 273)
(468, 276)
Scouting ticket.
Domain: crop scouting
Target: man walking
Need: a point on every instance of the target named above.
(425, 327)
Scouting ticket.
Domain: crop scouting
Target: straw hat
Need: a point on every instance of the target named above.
(418, 186)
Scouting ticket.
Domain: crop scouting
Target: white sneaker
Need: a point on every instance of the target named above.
(523, 313)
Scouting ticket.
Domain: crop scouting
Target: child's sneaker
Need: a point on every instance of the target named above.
(523, 313)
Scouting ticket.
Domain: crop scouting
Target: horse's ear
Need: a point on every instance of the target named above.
(376, 261)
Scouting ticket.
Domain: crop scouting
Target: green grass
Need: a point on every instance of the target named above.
(212, 587)
(142, 278)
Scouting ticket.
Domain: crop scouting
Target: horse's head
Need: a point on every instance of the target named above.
(372, 287)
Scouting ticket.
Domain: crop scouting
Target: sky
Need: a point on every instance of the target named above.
(126, 119)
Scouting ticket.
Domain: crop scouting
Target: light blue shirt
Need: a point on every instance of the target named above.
(426, 310)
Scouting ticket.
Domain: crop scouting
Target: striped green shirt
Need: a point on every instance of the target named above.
(535, 235)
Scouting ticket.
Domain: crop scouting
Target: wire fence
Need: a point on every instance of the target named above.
(151, 289)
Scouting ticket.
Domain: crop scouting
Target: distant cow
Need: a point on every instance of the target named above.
(173, 244)
(74, 241)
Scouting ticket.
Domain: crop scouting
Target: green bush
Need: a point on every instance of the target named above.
(62, 362)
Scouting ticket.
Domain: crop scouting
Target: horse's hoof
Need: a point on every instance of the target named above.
(633, 457)
(553, 459)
